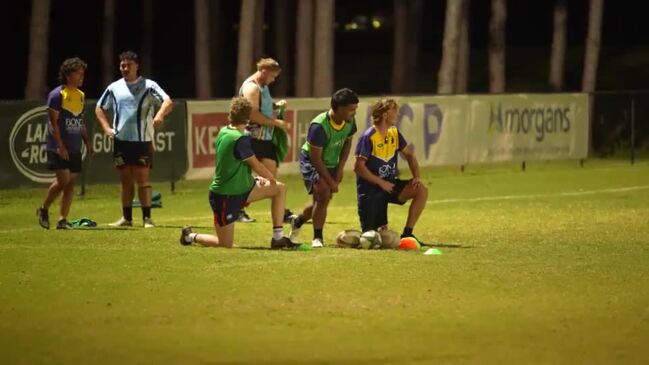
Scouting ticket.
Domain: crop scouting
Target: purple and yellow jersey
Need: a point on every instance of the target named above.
(381, 155)
(69, 103)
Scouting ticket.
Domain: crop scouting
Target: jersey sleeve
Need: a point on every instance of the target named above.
(106, 100)
(54, 100)
(316, 135)
(157, 92)
(364, 147)
(402, 142)
(243, 148)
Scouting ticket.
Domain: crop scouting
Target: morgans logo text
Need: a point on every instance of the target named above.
(541, 121)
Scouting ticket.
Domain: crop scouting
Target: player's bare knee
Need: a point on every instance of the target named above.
(422, 192)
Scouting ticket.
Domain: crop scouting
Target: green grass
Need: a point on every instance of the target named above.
(552, 268)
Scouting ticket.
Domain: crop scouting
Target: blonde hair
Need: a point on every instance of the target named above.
(380, 107)
(240, 109)
(268, 64)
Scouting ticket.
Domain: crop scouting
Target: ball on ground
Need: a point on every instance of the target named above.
(349, 238)
(389, 239)
(370, 240)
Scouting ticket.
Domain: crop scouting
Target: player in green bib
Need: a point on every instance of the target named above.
(233, 185)
(322, 159)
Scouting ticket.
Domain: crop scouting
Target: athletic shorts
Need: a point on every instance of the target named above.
(55, 162)
(310, 175)
(373, 208)
(264, 150)
(132, 153)
(226, 208)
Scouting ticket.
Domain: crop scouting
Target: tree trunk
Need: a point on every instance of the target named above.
(202, 50)
(497, 46)
(463, 57)
(592, 45)
(324, 48)
(558, 45)
(146, 42)
(281, 32)
(217, 42)
(107, 43)
(38, 48)
(447, 69)
(399, 54)
(246, 41)
(259, 23)
(415, 15)
(304, 49)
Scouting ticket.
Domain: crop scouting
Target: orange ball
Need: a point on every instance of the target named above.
(409, 243)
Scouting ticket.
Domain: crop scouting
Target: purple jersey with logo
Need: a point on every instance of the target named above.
(69, 103)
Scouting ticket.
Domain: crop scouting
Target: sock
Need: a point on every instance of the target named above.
(298, 221)
(127, 213)
(407, 232)
(278, 232)
(146, 212)
(191, 237)
(317, 233)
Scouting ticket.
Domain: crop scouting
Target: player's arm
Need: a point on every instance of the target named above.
(165, 109)
(344, 155)
(104, 103)
(408, 154)
(56, 133)
(315, 155)
(259, 169)
(360, 168)
(251, 92)
(86, 140)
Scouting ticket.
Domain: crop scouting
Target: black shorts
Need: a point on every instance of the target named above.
(310, 175)
(55, 162)
(132, 153)
(373, 208)
(226, 208)
(264, 150)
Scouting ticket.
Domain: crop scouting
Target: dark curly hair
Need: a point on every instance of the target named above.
(240, 109)
(69, 66)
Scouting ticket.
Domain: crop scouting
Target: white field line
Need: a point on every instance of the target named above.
(208, 217)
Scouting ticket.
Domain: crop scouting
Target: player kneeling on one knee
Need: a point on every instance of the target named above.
(376, 171)
(234, 187)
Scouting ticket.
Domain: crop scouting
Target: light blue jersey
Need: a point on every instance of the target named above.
(134, 106)
(255, 130)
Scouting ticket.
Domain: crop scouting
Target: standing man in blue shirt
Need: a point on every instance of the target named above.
(134, 100)
(263, 118)
(65, 130)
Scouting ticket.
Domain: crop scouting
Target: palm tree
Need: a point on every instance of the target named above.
(592, 45)
(497, 46)
(463, 56)
(447, 69)
(202, 50)
(304, 48)
(405, 57)
(37, 62)
(558, 45)
(146, 38)
(324, 51)
(259, 24)
(246, 41)
(107, 42)
(282, 26)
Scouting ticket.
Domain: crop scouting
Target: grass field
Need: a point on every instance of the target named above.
(551, 265)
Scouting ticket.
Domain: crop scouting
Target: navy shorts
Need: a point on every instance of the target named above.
(373, 208)
(226, 208)
(264, 150)
(310, 175)
(132, 153)
(55, 162)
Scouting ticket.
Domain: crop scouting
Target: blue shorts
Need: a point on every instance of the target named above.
(226, 208)
(373, 207)
(310, 175)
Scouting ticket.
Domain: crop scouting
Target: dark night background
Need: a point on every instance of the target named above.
(363, 58)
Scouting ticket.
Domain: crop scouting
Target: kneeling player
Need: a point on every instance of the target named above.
(234, 186)
(376, 172)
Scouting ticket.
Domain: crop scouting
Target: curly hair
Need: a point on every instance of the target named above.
(381, 107)
(69, 66)
(240, 109)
